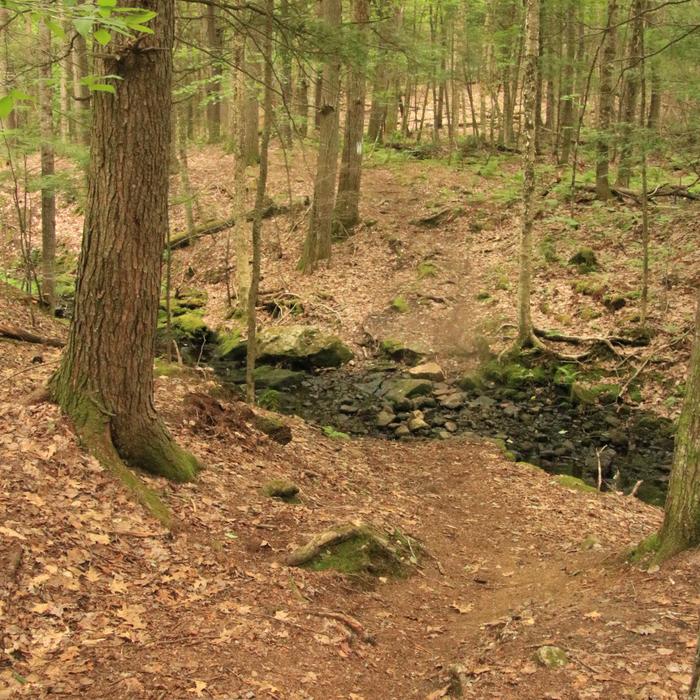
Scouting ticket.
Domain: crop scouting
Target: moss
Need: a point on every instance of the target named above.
(483, 296)
(282, 489)
(584, 260)
(230, 344)
(191, 324)
(595, 393)
(427, 269)
(364, 553)
(269, 399)
(163, 368)
(331, 432)
(399, 304)
(571, 482)
(646, 549)
(512, 374)
(594, 288)
(528, 466)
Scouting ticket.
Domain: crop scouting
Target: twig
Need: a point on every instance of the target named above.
(351, 623)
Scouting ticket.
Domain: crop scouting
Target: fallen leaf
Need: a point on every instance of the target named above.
(198, 689)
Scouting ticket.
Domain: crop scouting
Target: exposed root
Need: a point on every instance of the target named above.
(355, 626)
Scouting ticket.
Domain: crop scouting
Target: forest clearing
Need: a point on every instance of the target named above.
(350, 350)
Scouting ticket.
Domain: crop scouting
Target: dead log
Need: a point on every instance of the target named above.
(15, 333)
(209, 228)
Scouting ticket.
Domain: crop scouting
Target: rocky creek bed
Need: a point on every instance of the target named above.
(559, 426)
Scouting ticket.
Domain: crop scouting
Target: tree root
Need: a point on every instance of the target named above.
(355, 626)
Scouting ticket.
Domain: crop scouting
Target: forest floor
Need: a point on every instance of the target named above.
(97, 600)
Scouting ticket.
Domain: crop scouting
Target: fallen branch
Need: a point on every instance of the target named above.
(15, 333)
(623, 193)
(355, 626)
(209, 228)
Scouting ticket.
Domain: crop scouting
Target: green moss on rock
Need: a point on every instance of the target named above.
(571, 482)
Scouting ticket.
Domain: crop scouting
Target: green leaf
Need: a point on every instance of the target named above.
(106, 3)
(83, 25)
(7, 104)
(102, 87)
(55, 28)
(102, 37)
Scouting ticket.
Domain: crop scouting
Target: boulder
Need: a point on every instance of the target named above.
(402, 352)
(303, 347)
(402, 430)
(283, 489)
(416, 422)
(452, 401)
(551, 657)
(429, 370)
(357, 548)
(403, 389)
(385, 418)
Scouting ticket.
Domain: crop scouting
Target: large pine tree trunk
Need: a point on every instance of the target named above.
(105, 380)
(347, 202)
(605, 104)
(681, 528)
(525, 332)
(317, 245)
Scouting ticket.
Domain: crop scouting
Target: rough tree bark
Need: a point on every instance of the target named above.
(317, 245)
(681, 526)
(605, 104)
(105, 380)
(525, 330)
(566, 122)
(347, 212)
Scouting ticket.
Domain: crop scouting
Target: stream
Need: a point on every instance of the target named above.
(539, 423)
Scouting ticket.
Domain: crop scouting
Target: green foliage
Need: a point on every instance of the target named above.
(331, 432)
(269, 399)
(399, 304)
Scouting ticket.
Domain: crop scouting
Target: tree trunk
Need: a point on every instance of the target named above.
(81, 69)
(213, 86)
(105, 380)
(631, 94)
(695, 682)
(566, 121)
(347, 203)
(285, 120)
(317, 245)
(251, 120)
(605, 105)
(48, 195)
(525, 331)
(302, 111)
(259, 205)
(681, 527)
(377, 112)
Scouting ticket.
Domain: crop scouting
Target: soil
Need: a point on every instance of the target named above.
(97, 600)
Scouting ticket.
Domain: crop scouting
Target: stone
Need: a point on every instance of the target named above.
(416, 422)
(281, 488)
(298, 346)
(402, 430)
(349, 408)
(551, 657)
(424, 402)
(385, 418)
(403, 352)
(429, 370)
(403, 389)
(274, 428)
(452, 401)
(451, 426)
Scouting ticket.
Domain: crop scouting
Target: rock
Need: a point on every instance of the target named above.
(281, 488)
(403, 352)
(349, 408)
(403, 389)
(267, 377)
(429, 370)
(402, 430)
(385, 418)
(191, 298)
(469, 382)
(297, 346)
(440, 389)
(451, 426)
(424, 402)
(551, 657)
(484, 402)
(357, 548)
(614, 302)
(452, 401)
(416, 422)
(596, 393)
(272, 427)
(443, 435)
(190, 326)
(591, 542)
